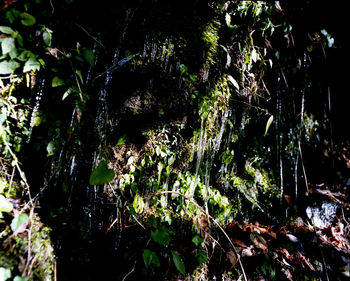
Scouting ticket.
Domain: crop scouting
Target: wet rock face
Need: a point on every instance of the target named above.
(322, 213)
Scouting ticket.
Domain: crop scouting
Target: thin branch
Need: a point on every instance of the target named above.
(55, 271)
(78, 84)
(21, 173)
(267, 90)
(88, 34)
(52, 6)
(251, 105)
(304, 171)
(29, 240)
(115, 66)
(8, 77)
(131, 271)
(11, 179)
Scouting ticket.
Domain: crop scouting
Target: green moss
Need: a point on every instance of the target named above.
(261, 179)
(15, 253)
(211, 42)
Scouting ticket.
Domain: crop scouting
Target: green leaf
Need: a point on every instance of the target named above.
(80, 75)
(70, 90)
(138, 204)
(31, 65)
(51, 148)
(254, 55)
(152, 221)
(270, 62)
(8, 67)
(122, 140)
(57, 81)
(24, 55)
(130, 160)
(5, 273)
(5, 206)
(101, 174)
(19, 39)
(6, 29)
(47, 37)
(197, 240)
(171, 160)
(201, 257)
(268, 124)
(180, 266)
(3, 184)
(233, 81)
(18, 278)
(183, 69)
(10, 16)
(27, 19)
(161, 236)
(13, 53)
(228, 19)
(18, 221)
(7, 44)
(150, 257)
(89, 56)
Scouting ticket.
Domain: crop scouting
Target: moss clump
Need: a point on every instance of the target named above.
(211, 42)
(28, 252)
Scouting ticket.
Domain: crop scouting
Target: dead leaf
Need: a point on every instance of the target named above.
(285, 253)
(248, 252)
(304, 260)
(52, 51)
(261, 229)
(231, 256)
(239, 243)
(288, 199)
(22, 264)
(259, 242)
(287, 273)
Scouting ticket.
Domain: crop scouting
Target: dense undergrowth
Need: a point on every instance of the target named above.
(154, 140)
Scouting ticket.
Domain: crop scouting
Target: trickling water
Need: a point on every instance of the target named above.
(146, 46)
(279, 137)
(100, 126)
(38, 96)
(153, 50)
(201, 145)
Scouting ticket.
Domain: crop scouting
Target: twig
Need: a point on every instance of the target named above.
(32, 264)
(92, 37)
(11, 179)
(78, 84)
(18, 168)
(8, 77)
(284, 78)
(52, 6)
(115, 66)
(267, 90)
(210, 217)
(55, 271)
(254, 106)
(29, 240)
(112, 224)
(131, 271)
(324, 262)
(342, 210)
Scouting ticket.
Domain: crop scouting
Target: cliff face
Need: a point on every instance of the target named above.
(173, 138)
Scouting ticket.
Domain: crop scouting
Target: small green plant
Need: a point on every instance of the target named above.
(163, 237)
(102, 174)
